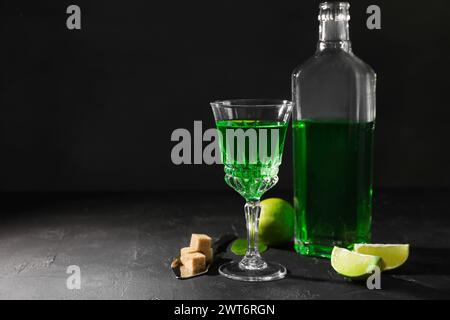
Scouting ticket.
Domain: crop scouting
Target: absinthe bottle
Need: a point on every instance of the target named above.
(333, 128)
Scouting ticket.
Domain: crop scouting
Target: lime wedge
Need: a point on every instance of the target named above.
(239, 247)
(351, 264)
(392, 255)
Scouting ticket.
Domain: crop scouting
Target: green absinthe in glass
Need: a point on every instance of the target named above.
(333, 184)
(251, 152)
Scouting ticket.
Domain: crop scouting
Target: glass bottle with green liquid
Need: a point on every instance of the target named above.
(333, 129)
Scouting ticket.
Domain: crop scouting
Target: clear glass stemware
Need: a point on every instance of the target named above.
(251, 136)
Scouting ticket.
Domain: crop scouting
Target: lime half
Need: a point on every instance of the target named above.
(392, 255)
(353, 265)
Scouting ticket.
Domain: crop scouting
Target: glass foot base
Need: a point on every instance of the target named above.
(319, 250)
(273, 271)
(314, 250)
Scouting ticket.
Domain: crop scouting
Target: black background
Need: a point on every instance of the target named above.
(94, 109)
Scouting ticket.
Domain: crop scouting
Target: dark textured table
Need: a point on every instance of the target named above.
(123, 244)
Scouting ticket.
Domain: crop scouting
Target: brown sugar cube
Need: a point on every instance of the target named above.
(175, 263)
(186, 250)
(194, 261)
(208, 256)
(185, 272)
(200, 242)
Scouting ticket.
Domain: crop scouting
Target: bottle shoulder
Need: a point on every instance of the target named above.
(333, 60)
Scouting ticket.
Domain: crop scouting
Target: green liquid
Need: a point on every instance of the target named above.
(332, 184)
(251, 169)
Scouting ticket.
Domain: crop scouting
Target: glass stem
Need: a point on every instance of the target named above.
(252, 259)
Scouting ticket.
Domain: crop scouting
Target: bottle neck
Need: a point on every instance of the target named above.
(334, 35)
